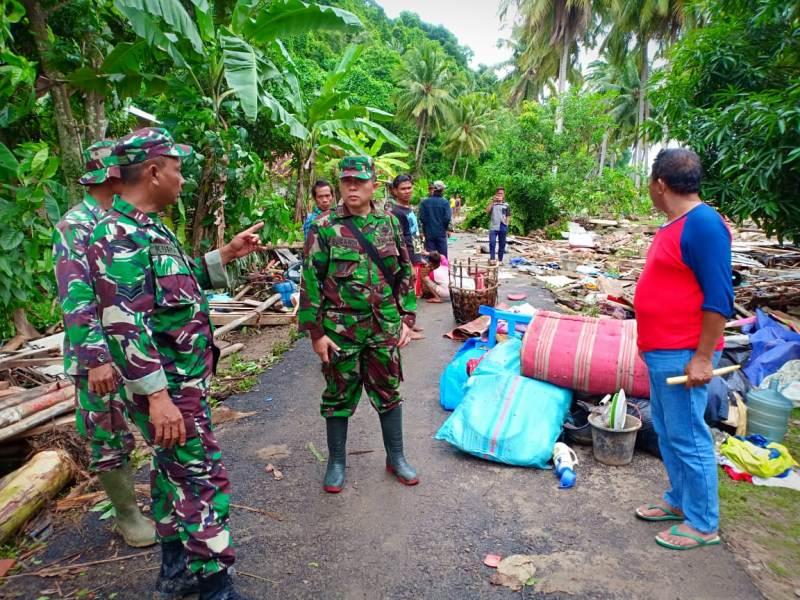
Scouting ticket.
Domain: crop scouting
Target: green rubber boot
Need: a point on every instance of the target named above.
(337, 454)
(396, 463)
(136, 529)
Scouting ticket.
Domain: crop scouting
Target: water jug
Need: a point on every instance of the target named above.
(768, 413)
(564, 460)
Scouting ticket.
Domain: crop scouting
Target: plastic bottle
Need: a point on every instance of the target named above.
(565, 460)
(768, 413)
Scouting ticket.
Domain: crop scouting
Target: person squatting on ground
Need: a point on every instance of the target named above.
(689, 263)
(156, 320)
(322, 192)
(438, 281)
(435, 216)
(100, 415)
(499, 214)
(357, 303)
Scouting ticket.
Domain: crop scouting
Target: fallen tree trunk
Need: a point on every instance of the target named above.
(14, 414)
(36, 419)
(26, 490)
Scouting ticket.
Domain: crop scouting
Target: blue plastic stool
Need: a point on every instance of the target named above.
(502, 315)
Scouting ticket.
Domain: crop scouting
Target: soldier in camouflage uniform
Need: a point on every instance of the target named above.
(156, 320)
(100, 414)
(356, 321)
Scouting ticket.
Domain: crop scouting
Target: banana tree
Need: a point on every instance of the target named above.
(333, 127)
(227, 62)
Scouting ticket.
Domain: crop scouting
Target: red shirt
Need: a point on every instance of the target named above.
(687, 272)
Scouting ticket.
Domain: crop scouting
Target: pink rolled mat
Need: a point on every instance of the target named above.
(586, 354)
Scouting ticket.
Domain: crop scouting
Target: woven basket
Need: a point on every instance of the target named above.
(472, 283)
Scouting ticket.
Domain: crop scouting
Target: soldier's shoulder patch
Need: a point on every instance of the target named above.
(164, 250)
(130, 291)
(344, 242)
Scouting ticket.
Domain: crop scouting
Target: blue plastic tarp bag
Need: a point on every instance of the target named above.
(454, 376)
(504, 358)
(773, 346)
(508, 418)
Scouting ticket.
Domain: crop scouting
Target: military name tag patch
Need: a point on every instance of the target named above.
(164, 250)
(343, 242)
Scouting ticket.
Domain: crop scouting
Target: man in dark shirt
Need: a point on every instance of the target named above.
(435, 216)
(402, 188)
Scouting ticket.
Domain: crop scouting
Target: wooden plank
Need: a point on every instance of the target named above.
(241, 320)
(32, 362)
(23, 354)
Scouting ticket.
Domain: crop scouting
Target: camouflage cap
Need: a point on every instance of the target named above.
(149, 142)
(360, 167)
(99, 163)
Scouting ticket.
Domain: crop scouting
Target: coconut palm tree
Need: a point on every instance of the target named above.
(549, 28)
(470, 128)
(635, 26)
(425, 93)
(621, 84)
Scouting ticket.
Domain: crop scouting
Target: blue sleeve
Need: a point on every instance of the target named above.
(706, 250)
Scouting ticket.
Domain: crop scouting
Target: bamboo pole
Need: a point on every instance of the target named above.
(241, 320)
(26, 490)
(36, 419)
(9, 416)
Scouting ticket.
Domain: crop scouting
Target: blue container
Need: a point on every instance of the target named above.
(286, 289)
(768, 413)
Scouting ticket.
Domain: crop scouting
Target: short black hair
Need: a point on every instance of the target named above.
(500, 188)
(435, 258)
(318, 185)
(437, 193)
(402, 179)
(680, 169)
(131, 174)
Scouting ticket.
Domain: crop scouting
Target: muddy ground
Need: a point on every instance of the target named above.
(379, 539)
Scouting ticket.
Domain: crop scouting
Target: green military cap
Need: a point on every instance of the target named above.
(99, 163)
(147, 143)
(360, 167)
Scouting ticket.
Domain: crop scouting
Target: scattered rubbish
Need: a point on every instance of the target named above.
(274, 451)
(276, 474)
(757, 456)
(564, 461)
(516, 297)
(317, 454)
(618, 409)
(492, 560)
(556, 281)
(515, 572)
(223, 414)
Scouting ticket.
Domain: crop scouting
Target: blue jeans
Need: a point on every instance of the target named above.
(496, 236)
(687, 447)
(438, 244)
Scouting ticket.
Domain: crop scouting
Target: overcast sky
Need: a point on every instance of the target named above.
(474, 22)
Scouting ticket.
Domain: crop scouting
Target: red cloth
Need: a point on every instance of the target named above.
(738, 475)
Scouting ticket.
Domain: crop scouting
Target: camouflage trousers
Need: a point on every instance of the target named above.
(189, 484)
(372, 364)
(101, 420)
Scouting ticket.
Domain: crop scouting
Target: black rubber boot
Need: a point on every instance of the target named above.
(218, 586)
(337, 454)
(175, 580)
(396, 463)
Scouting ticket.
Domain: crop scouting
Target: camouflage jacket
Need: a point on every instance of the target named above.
(84, 343)
(149, 294)
(342, 289)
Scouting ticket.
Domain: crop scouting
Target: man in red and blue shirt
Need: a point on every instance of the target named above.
(683, 299)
